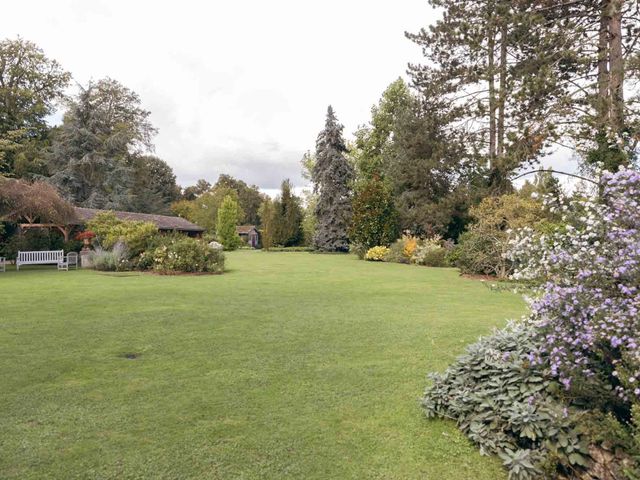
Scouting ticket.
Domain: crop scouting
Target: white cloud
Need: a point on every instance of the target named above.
(234, 87)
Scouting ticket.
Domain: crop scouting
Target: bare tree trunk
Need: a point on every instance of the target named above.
(602, 106)
(491, 43)
(502, 95)
(65, 230)
(616, 67)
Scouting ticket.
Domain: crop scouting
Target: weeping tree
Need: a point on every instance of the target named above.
(332, 176)
(36, 205)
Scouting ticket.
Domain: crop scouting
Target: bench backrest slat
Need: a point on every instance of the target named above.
(41, 257)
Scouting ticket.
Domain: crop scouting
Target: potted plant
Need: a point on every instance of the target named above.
(86, 237)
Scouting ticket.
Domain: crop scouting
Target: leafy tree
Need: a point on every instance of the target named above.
(310, 200)
(288, 218)
(267, 214)
(249, 197)
(544, 184)
(228, 217)
(431, 171)
(525, 76)
(201, 202)
(372, 140)
(154, 185)
(194, 191)
(468, 51)
(332, 177)
(204, 209)
(309, 219)
(92, 159)
(375, 220)
(307, 163)
(30, 86)
(185, 209)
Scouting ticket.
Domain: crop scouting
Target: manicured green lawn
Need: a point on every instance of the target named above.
(291, 365)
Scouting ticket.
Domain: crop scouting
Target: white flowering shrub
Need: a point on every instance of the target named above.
(587, 309)
(187, 255)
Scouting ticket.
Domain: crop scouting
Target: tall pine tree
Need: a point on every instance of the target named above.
(332, 178)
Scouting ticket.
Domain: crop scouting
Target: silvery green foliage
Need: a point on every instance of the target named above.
(332, 175)
(91, 159)
(505, 405)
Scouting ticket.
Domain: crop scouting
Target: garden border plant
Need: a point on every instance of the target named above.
(580, 342)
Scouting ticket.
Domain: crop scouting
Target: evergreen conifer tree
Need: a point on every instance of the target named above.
(332, 177)
(288, 215)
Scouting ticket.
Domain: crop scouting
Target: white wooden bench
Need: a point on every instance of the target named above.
(45, 257)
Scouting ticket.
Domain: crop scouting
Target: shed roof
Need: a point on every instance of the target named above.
(163, 222)
(245, 229)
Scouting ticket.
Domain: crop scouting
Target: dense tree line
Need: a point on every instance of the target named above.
(503, 84)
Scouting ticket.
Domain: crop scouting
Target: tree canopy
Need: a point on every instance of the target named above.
(31, 84)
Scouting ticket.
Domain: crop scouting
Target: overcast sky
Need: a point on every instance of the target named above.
(238, 87)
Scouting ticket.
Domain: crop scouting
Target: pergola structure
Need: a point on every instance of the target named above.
(64, 229)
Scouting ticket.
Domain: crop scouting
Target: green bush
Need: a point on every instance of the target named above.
(375, 219)
(482, 249)
(358, 249)
(109, 230)
(396, 253)
(479, 253)
(73, 246)
(431, 253)
(187, 255)
(510, 407)
(290, 249)
(435, 258)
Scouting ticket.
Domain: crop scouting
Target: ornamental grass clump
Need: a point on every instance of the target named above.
(114, 260)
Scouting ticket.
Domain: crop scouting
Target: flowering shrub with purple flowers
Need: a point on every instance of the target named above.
(588, 306)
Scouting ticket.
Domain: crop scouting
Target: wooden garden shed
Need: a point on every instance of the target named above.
(250, 234)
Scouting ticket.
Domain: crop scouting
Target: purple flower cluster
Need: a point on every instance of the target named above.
(587, 310)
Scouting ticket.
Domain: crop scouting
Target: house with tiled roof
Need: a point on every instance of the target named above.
(165, 223)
